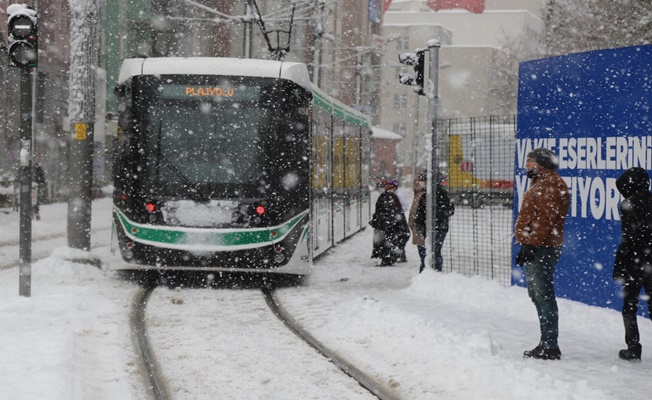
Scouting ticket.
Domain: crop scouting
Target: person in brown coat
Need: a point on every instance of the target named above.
(417, 220)
(418, 238)
(540, 232)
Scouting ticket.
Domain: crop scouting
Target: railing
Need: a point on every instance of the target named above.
(477, 166)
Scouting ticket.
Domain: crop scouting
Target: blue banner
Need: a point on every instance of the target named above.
(594, 111)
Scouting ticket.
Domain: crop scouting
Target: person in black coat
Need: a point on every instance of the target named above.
(633, 262)
(444, 210)
(41, 191)
(389, 221)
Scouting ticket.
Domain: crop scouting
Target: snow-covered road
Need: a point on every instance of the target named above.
(428, 336)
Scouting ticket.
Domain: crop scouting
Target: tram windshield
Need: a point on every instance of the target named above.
(206, 136)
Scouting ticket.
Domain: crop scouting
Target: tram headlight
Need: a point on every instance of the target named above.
(279, 257)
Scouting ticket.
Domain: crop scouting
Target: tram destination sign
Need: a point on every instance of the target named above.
(230, 92)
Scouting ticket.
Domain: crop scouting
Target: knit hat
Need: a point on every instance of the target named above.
(544, 157)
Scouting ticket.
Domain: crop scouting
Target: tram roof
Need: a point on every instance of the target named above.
(295, 72)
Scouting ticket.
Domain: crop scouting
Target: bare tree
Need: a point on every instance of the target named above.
(574, 26)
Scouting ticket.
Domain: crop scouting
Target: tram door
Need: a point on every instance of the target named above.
(339, 213)
(321, 182)
(365, 162)
(352, 179)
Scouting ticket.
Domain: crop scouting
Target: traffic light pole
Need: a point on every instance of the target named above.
(25, 234)
(433, 171)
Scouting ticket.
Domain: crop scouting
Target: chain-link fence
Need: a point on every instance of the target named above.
(479, 175)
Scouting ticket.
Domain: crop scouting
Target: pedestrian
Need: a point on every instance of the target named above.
(402, 258)
(633, 262)
(389, 221)
(378, 238)
(539, 230)
(444, 209)
(418, 232)
(41, 189)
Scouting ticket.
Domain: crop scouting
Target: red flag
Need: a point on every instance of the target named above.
(475, 6)
(387, 4)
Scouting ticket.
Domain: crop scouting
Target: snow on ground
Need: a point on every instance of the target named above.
(430, 335)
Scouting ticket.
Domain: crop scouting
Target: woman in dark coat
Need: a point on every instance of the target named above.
(389, 220)
(633, 264)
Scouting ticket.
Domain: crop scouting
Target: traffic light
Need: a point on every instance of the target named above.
(23, 36)
(416, 60)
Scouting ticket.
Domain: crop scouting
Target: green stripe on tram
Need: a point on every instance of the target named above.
(320, 101)
(207, 236)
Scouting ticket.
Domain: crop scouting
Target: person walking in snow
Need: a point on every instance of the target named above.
(539, 230)
(633, 262)
(444, 210)
(418, 233)
(41, 189)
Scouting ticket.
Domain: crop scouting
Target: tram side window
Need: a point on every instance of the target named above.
(322, 159)
(352, 157)
(338, 154)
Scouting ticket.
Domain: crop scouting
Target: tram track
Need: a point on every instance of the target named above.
(349, 369)
(156, 381)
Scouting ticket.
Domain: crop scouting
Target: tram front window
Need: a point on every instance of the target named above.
(205, 143)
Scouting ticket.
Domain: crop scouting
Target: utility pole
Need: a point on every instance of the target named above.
(23, 53)
(358, 76)
(84, 25)
(318, 24)
(415, 140)
(247, 31)
(433, 171)
(416, 80)
(26, 212)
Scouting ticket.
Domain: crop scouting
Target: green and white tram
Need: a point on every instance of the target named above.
(234, 165)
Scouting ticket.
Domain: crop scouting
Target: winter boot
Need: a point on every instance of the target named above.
(543, 353)
(631, 353)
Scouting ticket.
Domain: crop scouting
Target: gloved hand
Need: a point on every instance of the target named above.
(526, 254)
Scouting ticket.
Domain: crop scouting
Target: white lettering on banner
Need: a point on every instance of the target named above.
(595, 198)
(591, 196)
(583, 187)
(597, 153)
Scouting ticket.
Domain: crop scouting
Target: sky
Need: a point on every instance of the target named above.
(425, 336)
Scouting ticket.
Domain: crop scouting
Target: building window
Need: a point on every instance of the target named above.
(400, 101)
(402, 43)
(399, 127)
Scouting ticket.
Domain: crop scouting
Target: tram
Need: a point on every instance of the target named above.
(226, 164)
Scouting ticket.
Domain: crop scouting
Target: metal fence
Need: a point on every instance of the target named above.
(477, 166)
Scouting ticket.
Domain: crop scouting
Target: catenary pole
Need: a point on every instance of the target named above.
(433, 171)
(84, 25)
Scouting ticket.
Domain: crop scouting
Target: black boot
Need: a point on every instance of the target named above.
(543, 353)
(631, 353)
